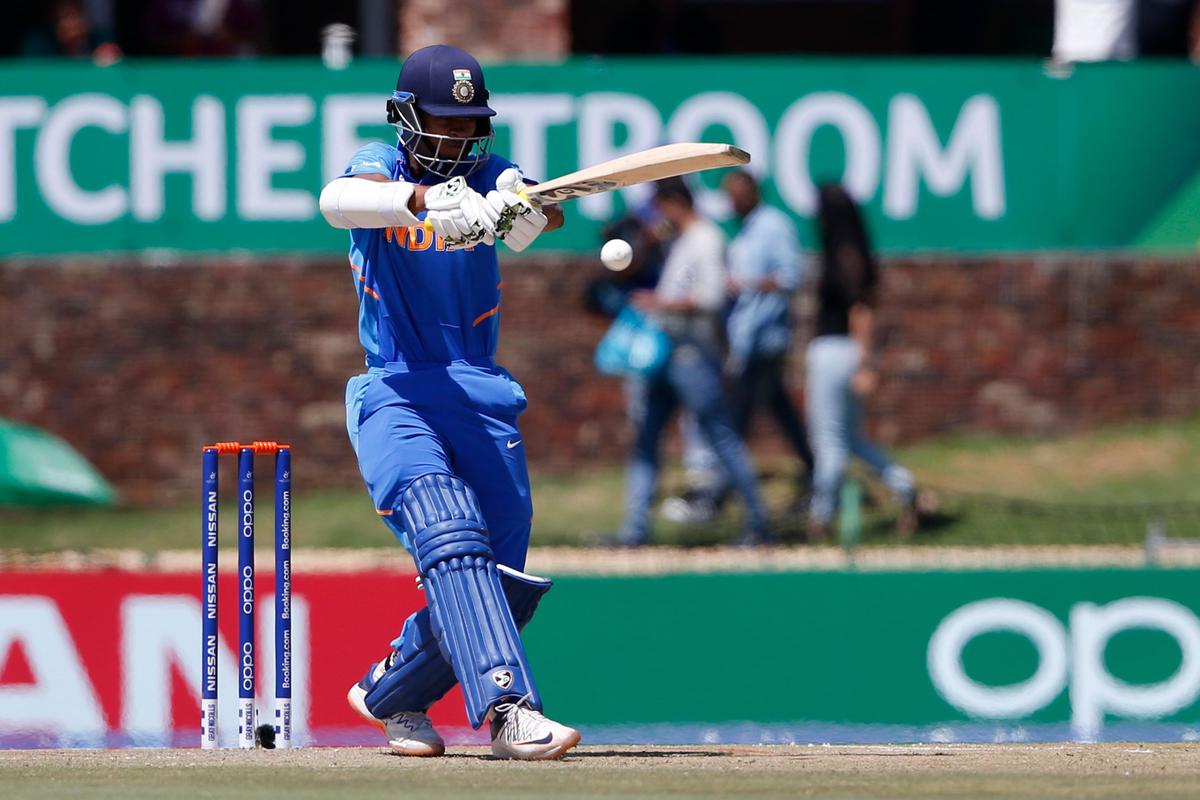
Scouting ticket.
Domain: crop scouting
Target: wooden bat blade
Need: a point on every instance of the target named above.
(647, 165)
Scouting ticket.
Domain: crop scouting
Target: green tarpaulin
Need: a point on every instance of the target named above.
(39, 469)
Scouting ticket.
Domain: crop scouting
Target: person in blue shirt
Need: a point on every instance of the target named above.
(433, 420)
(765, 270)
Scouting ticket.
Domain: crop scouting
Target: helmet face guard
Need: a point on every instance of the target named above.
(444, 156)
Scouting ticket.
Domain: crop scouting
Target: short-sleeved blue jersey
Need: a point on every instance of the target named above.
(418, 302)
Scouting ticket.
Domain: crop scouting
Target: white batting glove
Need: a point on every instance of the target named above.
(520, 220)
(460, 215)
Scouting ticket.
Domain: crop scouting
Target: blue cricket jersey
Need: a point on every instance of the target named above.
(420, 304)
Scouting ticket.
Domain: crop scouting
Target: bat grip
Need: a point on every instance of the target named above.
(520, 193)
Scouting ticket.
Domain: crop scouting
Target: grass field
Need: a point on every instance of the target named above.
(1100, 487)
(1099, 772)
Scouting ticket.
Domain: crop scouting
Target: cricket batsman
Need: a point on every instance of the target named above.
(433, 420)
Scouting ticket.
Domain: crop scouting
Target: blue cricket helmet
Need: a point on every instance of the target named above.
(446, 82)
(442, 81)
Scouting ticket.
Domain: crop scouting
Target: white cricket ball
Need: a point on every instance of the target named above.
(616, 254)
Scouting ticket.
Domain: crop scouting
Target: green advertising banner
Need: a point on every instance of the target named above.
(946, 155)
(826, 656)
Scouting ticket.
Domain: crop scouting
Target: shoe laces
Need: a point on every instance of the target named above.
(521, 702)
(520, 721)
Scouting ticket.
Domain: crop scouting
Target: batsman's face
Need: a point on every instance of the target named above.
(444, 146)
(457, 127)
(449, 126)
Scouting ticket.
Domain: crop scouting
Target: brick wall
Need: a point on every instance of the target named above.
(138, 366)
(514, 29)
(1037, 345)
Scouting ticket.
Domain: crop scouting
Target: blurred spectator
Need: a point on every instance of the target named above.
(687, 303)
(649, 238)
(202, 27)
(765, 269)
(1095, 30)
(840, 365)
(608, 295)
(65, 30)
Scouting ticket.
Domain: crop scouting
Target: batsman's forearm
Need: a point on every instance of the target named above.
(416, 203)
(371, 203)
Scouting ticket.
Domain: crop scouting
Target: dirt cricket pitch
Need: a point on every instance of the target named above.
(908, 771)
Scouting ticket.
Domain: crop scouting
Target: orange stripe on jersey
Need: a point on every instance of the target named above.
(383, 512)
(363, 280)
(485, 315)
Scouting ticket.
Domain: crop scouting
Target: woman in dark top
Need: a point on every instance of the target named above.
(840, 372)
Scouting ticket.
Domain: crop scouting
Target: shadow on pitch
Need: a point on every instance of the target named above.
(574, 754)
(588, 754)
(648, 754)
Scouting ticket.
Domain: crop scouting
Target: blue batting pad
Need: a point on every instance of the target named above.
(419, 676)
(469, 612)
(523, 592)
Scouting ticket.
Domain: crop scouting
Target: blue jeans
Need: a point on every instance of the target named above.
(835, 426)
(692, 379)
(702, 469)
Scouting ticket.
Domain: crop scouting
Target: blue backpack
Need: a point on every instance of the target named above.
(633, 346)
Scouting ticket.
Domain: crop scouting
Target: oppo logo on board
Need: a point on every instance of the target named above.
(1069, 656)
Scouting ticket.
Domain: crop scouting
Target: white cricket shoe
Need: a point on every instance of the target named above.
(409, 733)
(522, 733)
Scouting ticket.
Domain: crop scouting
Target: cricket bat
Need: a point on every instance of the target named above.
(654, 164)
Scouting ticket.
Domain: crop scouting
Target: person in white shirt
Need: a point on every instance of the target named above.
(687, 303)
